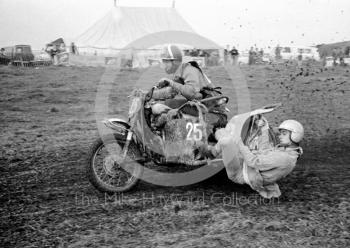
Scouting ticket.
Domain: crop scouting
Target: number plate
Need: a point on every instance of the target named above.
(194, 131)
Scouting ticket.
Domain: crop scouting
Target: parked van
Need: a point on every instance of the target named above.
(290, 53)
(19, 52)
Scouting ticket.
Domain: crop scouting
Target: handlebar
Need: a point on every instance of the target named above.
(272, 105)
(213, 98)
(149, 95)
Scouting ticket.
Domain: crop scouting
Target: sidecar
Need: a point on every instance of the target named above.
(185, 135)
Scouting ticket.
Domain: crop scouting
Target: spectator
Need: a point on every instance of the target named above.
(278, 52)
(300, 59)
(74, 49)
(261, 52)
(251, 56)
(347, 51)
(226, 54)
(341, 57)
(234, 55)
(335, 56)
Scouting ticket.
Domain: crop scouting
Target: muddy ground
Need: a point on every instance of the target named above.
(48, 122)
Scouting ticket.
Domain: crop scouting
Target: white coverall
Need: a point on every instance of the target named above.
(260, 169)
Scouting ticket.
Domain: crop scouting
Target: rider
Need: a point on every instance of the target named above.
(263, 168)
(186, 83)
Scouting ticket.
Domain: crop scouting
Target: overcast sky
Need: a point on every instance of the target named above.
(242, 23)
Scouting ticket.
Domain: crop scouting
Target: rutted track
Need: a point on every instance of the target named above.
(48, 125)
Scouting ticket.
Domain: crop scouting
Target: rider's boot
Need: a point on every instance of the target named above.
(161, 120)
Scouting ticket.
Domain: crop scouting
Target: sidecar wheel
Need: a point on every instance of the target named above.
(106, 173)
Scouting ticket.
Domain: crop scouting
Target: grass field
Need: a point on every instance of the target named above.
(48, 122)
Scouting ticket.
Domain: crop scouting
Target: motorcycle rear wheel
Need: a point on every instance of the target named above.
(104, 170)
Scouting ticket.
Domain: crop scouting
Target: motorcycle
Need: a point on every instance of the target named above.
(114, 161)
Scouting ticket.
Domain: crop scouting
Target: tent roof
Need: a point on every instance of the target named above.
(124, 25)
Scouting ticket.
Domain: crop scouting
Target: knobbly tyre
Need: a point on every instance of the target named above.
(115, 162)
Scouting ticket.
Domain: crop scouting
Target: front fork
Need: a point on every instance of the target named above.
(127, 143)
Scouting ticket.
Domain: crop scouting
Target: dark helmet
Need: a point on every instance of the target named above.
(172, 53)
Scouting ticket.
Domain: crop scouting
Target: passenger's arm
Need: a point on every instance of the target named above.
(264, 140)
(265, 161)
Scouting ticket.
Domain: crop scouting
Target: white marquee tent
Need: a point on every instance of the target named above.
(139, 28)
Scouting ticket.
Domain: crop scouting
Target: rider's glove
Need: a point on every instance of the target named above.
(261, 123)
(164, 82)
(266, 126)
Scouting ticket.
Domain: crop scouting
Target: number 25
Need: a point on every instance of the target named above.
(194, 131)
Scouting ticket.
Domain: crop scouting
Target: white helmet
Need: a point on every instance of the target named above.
(296, 129)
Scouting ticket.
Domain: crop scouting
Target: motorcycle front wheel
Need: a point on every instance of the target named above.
(108, 171)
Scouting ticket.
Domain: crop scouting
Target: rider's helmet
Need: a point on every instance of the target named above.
(171, 53)
(296, 129)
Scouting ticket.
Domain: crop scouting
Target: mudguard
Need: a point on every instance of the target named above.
(118, 125)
